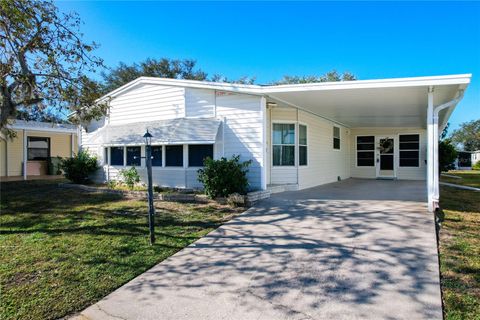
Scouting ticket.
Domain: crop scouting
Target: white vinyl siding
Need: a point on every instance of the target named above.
(243, 130)
(199, 103)
(324, 164)
(241, 133)
(147, 103)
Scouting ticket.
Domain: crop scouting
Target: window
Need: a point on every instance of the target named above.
(133, 156)
(283, 144)
(366, 151)
(302, 145)
(157, 156)
(38, 148)
(174, 156)
(116, 156)
(336, 138)
(198, 152)
(409, 150)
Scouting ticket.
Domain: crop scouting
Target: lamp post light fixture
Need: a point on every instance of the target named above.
(151, 209)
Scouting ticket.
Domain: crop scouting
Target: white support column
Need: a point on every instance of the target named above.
(436, 173)
(185, 163)
(430, 151)
(124, 156)
(263, 108)
(72, 143)
(108, 162)
(164, 151)
(224, 123)
(25, 154)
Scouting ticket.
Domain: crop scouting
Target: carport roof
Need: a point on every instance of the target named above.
(398, 102)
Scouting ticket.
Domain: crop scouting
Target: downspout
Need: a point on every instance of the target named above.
(297, 149)
(264, 111)
(436, 171)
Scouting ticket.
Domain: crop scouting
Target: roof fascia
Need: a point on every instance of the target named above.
(462, 79)
(56, 130)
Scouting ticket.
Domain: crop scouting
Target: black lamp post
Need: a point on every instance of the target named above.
(151, 208)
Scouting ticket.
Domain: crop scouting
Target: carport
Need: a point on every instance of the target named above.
(420, 102)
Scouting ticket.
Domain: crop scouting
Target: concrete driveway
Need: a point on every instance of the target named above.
(356, 249)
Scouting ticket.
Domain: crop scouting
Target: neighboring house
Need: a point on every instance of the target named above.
(34, 147)
(466, 159)
(298, 136)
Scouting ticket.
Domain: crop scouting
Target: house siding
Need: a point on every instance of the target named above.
(3, 157)
(240, 132)
(324, 164)
(404, 173)
(243, 131)
(199, 103)
(148, 103)
(60, 146)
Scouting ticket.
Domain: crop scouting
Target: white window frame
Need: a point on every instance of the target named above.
(418, 150)
(339, 138)
(374, 151)
(303, 145)
(294, 144)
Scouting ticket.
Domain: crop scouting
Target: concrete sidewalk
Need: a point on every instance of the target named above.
(357, 249)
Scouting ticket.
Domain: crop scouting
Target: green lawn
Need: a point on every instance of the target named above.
(468, 178)
(64, 249)
(460, 252)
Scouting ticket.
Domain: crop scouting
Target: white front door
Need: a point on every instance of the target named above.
(385, 157)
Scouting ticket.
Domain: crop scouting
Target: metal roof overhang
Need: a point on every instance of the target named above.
(174, 131)
(380, 104)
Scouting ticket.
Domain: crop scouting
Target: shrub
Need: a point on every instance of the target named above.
(112, 184)
(78, 168)
(223, 177)
(476, 165)
(446, 155)
(130, 177)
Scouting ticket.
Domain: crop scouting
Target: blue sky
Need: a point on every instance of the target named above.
(271, 39)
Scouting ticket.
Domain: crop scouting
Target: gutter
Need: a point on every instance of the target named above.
(436, 171)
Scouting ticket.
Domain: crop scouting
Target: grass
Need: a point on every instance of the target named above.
(460, 251)
(469, 178)
(64, 249)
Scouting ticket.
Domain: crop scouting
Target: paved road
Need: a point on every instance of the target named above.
(357, 249)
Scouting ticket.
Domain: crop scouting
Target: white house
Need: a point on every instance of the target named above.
(299, 136)
(466, 159)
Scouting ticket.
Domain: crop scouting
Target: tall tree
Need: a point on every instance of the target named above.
(330, 76)
(163, 68)
(44, 62)
(468, 135)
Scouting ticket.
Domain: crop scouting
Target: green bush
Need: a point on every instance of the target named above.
(476, 165)
(130, 177)
(446, 155)
(222, 177)
(78, 168)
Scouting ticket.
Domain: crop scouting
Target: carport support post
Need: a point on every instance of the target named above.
(430, 151)
(25, 156)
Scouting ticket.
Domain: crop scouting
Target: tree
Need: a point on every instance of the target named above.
(44, 62)
(447, 154)
(163, 68)
(241, 80)
(330, 76)
(37, 114)
(468, 135)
